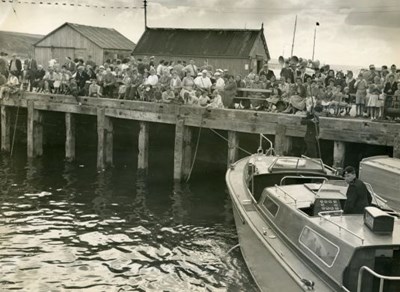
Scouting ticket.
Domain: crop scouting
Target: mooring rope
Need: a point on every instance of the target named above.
(240, 148)
(197, 147)
(15, 125)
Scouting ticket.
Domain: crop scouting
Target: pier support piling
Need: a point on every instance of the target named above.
(187, 151)
(282, 143)
(104, 140)
(396, 146)
(182, 150)
(143, 145)
(70, 136)
(233, 147)
(339, 151)
(34, 131)
(5, 129)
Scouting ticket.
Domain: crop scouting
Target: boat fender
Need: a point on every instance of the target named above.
(308, 283)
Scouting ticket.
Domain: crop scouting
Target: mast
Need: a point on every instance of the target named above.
(315, 35)
(145, 13)
(294, 35)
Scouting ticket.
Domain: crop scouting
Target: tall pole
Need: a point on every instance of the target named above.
(145, 13)
(313, 48)
(294, 35)
(315, 36)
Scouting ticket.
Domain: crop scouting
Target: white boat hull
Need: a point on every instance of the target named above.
(266, 270)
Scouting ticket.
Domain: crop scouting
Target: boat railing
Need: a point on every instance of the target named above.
(287, 195)
(324, 216)
(373, 194)
(270, 150)
(302, 177)
(381, 278)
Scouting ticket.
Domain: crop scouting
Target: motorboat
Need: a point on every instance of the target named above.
(294, 236)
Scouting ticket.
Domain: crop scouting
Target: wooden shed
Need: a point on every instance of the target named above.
(79, 41)
(237, 50)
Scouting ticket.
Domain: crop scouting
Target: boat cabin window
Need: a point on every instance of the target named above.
(318, 245)
(271, 206)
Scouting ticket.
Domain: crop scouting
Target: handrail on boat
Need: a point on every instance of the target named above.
(269, 150)
(381, 278)
(320, 161)
(373, 194)
(302, 177)
(322, 215)
(286, 194)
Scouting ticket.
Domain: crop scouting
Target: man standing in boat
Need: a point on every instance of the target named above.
(358, 196)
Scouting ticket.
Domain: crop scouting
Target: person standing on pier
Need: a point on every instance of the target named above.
(192, 68)
(358, 196)
(311, 137)
(361, 86)
(15, 65)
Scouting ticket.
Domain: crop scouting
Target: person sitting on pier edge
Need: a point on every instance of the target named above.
(94, 89)
(358, 196)
(11, 87)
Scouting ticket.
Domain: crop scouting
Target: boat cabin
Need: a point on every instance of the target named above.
(346, 248)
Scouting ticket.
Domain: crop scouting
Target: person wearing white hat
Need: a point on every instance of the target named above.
(219, 82)
(203, 81)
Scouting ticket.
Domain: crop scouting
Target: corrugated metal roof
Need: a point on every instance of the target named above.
(105, 38)
(199, 42)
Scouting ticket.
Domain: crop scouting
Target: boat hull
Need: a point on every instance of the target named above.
(266, 269)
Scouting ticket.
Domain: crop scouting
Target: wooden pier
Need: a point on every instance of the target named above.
(185, 118)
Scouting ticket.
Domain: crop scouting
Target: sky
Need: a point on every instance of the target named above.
(351, 32)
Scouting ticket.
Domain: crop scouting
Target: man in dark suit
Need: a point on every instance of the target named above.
(31, 67)
(15, 66)
(265, 71)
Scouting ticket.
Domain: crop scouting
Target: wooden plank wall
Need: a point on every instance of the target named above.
(62, 39)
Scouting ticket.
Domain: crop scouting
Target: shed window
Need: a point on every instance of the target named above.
(271, 206)
(321, 247)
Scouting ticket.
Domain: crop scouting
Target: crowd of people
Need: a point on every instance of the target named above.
(301, 86)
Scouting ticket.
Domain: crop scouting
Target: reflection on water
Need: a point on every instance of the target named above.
(66, 227)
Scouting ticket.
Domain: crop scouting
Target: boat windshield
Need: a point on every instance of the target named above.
(333, 189)
(295, 163)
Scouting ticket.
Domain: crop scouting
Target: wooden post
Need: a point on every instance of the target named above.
(104, 140)
(143, 145)
(70, 137)
(396, 146)
(233, 147)
(35, 131)
(282, 143)
(109, 141)
(339, 151)
(178, 150)
(5, 129)
(187, 151)
(100, 138)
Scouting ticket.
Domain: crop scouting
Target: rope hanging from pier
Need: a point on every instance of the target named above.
(197, 147)
(15, 125)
